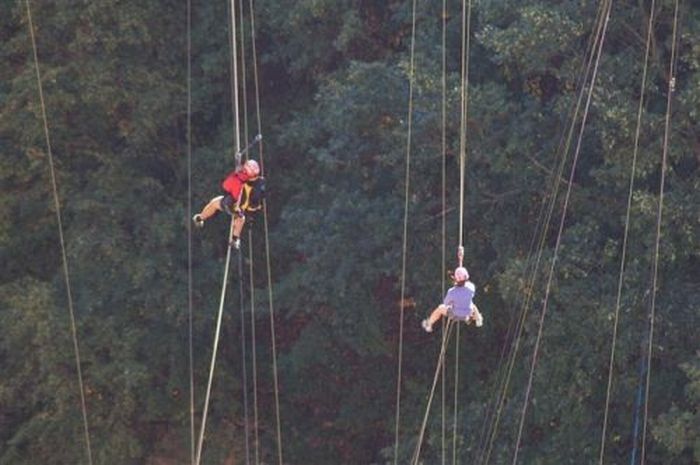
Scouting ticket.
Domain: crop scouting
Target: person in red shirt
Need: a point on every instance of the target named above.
(230, 201)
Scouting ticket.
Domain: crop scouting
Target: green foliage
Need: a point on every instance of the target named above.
(334, 87)
(678, 429)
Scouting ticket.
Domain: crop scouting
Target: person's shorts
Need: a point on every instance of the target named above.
(459, 317)
(228, 203)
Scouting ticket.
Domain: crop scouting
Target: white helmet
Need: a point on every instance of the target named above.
(252, 167)
(461, 274)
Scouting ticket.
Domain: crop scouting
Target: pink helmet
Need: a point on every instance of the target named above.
(252, 167)
(461, 274)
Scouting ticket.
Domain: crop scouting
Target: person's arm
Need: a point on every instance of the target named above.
(447, 301)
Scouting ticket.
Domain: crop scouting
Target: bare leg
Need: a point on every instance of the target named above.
(212, 208)
(238, 223)
(476, 315)
(438, 313)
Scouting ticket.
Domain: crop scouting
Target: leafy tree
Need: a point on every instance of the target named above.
(334, 87)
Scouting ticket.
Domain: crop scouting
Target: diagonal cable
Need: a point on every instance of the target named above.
(616, 319)
(64, 255)
(557, 245)
(659, 217)
(404, 246)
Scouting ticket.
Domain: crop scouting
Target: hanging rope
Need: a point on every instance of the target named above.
(449, 325)
(244, 86)
(61, 239)
(217, 333)
(443, 255)
(466, 40)
(544, 221)
(664, 167)
(514, 332)
(190, 319)
(559, 236)
(251, 261)
(244, 370)
(251, 286)
(635, 151)
(244, 366)
(466, 22)
(256, 439)
(455, 401)
(404, 246)
(234, 73)
(273, 336)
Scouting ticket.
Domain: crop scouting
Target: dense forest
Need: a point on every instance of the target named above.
(546, 231)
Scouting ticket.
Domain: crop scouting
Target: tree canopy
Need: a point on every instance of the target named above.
(334, 79)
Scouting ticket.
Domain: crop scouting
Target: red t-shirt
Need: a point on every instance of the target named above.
(234, 183)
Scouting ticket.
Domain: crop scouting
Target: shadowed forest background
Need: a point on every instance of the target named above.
(334, 85)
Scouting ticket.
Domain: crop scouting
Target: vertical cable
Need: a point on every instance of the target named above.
(244, 355)
(217, 333)
(443, 265)
(405, 231)
(256, 439)
(190, 335)
(273, 335)
(466, 40)
(234, 74)
(251, 262)
(273, 338)
(244, 367)
(455, 400)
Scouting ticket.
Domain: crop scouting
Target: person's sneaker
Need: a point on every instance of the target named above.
(479, 320)
(427, 326)
(236, 243)
(198, 220)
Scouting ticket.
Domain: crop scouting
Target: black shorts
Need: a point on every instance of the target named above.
(228, 203)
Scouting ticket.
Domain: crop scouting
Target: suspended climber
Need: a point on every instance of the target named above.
(458, 303)
(244, 190)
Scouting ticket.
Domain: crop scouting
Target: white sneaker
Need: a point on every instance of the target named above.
(427, 326)
(198, 221)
